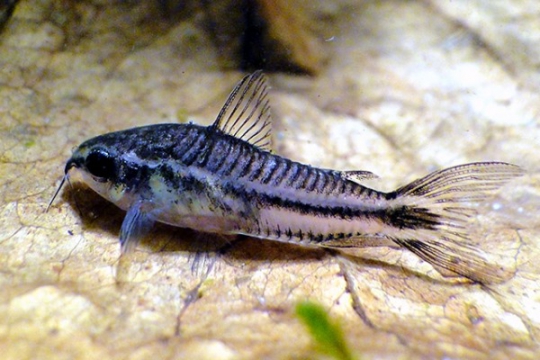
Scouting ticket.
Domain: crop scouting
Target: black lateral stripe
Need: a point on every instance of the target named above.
(408, 217)
(403, 217)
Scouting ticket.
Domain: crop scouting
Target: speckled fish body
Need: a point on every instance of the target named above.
(223, 179)
(217, 183)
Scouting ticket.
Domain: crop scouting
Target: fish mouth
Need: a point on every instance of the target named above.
(72, 163)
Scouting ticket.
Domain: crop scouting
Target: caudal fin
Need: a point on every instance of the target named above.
(430, 217)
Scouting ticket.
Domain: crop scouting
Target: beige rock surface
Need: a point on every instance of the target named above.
(410, 87)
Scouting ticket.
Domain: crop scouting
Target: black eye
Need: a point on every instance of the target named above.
(101, 164)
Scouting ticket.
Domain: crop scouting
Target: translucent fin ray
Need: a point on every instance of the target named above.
(442, 205)
(135, 226)
(246, 113)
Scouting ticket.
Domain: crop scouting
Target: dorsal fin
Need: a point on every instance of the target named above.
(356, 176)
(246, 113)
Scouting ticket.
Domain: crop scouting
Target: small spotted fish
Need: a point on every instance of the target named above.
(224, 179)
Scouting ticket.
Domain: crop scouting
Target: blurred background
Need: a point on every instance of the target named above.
(399, 88)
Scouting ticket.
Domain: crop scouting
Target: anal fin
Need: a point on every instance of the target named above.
(452, 260)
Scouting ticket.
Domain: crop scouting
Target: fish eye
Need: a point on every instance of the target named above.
(101, 164)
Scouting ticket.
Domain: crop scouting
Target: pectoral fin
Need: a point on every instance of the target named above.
(136, 225)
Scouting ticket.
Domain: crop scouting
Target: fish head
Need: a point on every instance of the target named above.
(102, 165)
(98, 163)
(119, 165)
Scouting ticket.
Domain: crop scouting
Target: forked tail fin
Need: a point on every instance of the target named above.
(430, 216)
